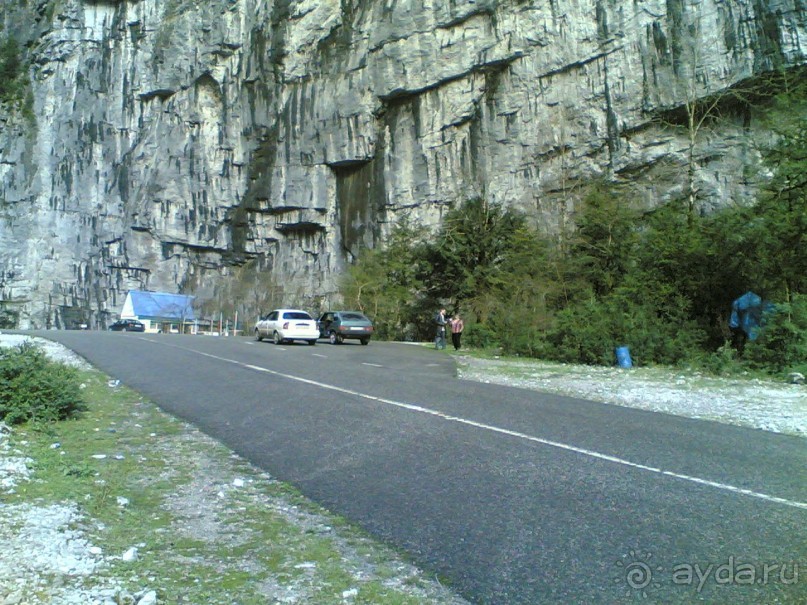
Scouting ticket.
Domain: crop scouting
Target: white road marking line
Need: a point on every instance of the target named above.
(375, 365)
(495, 429)
(318, 355)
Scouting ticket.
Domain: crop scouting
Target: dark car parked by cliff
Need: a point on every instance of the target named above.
(337, 326)
(128, 325)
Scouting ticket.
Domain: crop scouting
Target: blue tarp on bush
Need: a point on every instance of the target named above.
(747, 314)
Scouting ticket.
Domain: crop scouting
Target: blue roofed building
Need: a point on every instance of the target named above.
(160, 311)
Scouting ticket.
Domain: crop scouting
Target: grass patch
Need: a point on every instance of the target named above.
(208, 527)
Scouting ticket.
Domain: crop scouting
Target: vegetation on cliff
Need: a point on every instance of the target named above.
(661, 281)
(14, 89)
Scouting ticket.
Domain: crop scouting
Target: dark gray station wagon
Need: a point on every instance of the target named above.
(336, 326)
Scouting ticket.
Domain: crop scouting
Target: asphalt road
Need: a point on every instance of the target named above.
(512, 496)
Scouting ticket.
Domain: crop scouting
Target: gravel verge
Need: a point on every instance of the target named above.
(760, 404)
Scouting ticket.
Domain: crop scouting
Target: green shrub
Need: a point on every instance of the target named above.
(725, 361)
(479, 336)
(34, 388)
(590, 332)
(519, 332)
(782, 343)
(583, 334)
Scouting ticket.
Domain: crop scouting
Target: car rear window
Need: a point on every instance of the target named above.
(354, 317)
(296, 315)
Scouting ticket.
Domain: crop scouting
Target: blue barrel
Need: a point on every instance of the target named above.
(623, 357)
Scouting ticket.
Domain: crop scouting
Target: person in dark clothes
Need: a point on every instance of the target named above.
(440, 337)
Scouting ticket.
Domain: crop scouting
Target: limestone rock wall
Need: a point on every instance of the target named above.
(172, 143)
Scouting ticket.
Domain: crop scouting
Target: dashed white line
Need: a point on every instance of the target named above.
(502, 431)
(374, 365)
(318, 355)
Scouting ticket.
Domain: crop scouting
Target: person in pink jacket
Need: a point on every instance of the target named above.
(457, 326)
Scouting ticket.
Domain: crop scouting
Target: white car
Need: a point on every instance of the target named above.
(285, 325)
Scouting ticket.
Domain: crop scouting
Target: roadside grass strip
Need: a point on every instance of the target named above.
(206, 526)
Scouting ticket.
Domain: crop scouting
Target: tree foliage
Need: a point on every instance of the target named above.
(248, 291)
(467, 255)
(385, 284)
(484, 262)
(778, 222)
(661, 281)
(604, 243)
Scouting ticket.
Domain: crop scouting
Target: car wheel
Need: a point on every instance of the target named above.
(334, 338)
(258, 336)
(276, 338)
(365, 341)
(312, 342)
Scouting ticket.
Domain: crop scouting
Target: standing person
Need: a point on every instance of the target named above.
(457, 326)
(440, 338)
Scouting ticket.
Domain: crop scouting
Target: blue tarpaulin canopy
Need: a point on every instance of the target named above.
(159, 306)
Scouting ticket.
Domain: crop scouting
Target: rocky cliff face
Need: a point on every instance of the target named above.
(189, 144)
